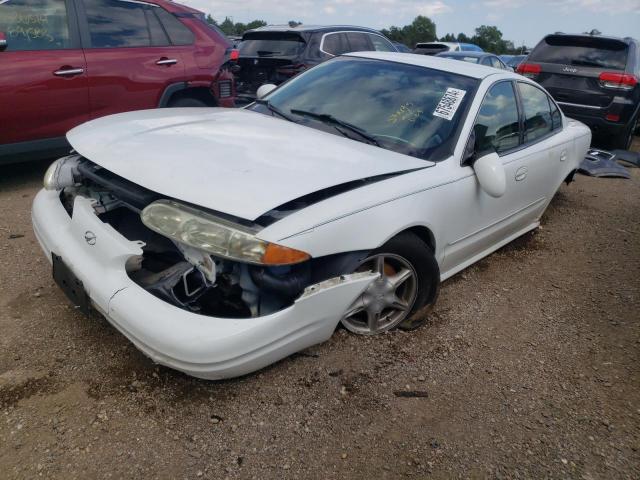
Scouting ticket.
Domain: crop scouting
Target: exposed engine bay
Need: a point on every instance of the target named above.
(187, 277)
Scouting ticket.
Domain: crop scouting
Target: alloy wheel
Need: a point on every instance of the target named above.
(388, 300)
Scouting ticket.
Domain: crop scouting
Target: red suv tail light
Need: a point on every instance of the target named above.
(529, 70)
(619, 81)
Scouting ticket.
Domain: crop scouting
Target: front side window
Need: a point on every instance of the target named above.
(114, 23)
(409, 109)
(35, 24)
(381, 44)
(537, 112)
(497, 127)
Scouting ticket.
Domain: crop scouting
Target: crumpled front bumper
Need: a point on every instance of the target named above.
(202, 346)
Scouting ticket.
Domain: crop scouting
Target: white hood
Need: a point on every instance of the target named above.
(234, 161)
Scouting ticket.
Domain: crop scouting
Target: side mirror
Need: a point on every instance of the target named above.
(265, 90)
(3, 41)
(491, 174)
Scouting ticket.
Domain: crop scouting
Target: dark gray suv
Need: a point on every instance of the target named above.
(274, 54)
(594, 79)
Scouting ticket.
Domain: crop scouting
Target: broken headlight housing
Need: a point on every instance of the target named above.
(208, 233)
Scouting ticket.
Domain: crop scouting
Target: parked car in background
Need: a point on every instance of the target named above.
(402, 48)
(274, 54)
(594, 79)
(481, 58)
(514, 60)
(65, 62)
(351, 193)
(432, 48)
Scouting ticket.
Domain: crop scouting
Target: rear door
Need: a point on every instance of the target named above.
(130, 57)
(43, 82)
(569, 67)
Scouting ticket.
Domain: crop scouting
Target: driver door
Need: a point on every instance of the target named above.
(483, 222)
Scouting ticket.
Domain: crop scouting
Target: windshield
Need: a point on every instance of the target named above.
(405, 108)
(267, 44)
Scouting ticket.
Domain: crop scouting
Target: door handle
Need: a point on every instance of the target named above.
(68, 72)
(563, 156)
(167, 61)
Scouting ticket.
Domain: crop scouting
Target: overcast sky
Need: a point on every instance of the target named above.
(519, 20)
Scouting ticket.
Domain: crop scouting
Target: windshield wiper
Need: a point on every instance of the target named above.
(273, 109)
(330, 119)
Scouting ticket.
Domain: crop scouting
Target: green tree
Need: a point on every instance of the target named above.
(294, 24)
(256, 24)
(227, 26)
(489, 38)
(210, 20)
(462, 38)
(449, 37)
(422, 29)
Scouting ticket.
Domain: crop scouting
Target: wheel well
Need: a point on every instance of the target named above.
(424, 234)
(200, 93)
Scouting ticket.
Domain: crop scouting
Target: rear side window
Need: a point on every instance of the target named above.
(35, 24)
(157, 33)
(114, 23)
(177, 31)
(537, 112)
(497, 127)
(582, 52)
(271, 44)
(359, 42)
(381, 44)
(335, 44)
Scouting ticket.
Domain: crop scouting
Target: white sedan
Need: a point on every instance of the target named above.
(220, 241)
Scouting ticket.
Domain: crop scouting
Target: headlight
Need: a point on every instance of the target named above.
(61, 173)
(216, 236)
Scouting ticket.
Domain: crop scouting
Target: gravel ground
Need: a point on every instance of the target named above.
(528, 368)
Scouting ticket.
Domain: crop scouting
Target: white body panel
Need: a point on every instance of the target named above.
(198, 345)
(245, 164)
(236, 162)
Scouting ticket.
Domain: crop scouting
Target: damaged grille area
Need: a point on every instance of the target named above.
(189, 278)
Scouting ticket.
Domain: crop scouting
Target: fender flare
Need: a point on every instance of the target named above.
(169, 91)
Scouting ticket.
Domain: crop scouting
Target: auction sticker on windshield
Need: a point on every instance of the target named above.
(449, 103)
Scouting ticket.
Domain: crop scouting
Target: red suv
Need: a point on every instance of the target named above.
(63, 62)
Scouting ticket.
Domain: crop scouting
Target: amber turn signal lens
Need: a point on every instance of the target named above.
(279, 255)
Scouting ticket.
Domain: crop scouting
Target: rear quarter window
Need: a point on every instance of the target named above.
(594, 52)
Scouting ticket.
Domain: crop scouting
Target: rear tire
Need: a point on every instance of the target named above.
(409, 280)
(624, 140)
(186, 102)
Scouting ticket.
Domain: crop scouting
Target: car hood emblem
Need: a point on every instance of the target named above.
(90, 237)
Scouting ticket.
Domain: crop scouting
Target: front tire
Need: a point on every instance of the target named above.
(409, 279)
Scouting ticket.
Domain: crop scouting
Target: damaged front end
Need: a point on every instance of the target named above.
(201, 261)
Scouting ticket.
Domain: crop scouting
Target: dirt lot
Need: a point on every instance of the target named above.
(530, 364)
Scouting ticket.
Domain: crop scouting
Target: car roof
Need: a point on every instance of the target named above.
(467, 69)
(466, 54)
(312, 28)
